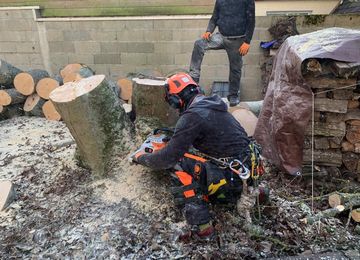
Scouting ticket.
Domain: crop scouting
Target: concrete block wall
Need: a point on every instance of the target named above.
(116, 47)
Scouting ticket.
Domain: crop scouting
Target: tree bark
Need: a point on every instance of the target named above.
(45, 86)
(350, 161)
(11, 96)
(323, 214)
(148, 101)
(25, 82)
(7, 73)
(33, 105)
(96, 120)
(11, 111)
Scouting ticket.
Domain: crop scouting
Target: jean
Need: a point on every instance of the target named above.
(219, 42)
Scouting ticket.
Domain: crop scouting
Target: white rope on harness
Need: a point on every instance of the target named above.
(312, 137)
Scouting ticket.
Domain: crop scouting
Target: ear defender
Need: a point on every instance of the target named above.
(172, 99)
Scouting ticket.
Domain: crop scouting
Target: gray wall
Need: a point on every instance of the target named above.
(117, 47)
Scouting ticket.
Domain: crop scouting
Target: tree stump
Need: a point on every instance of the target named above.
(11, 96)
(7, 73)
(96, 120)
(45, 86)
(50, 111)
(148, 101)
(33, 105)
(25, 82)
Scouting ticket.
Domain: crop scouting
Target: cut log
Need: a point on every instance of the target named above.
(335, 142)
(50, 111)
(126, 86)
(332, 212)
(11, 96)
(353, 104)
(327, 129)
(247, 119)
(345, 69)
(353, 134)
(33, 105)
(340, 94)
(331, 105)
(338, 198)
(148, 101)
(350, 161)
(347, 146)
(327, 117)
(76, 72)
(11, 111)
(326, 82)
(7, 73)
(324, 157)
(25, 82)
(45, 86)
(353, 114)
(96, 120)
(355, 215)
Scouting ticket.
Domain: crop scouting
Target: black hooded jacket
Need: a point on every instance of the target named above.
(233, 18)
(207, 126)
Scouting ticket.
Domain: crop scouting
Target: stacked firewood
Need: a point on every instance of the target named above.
(336, 125)
(27, 92)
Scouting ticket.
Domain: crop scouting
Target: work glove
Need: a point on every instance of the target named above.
(135, 156)
(206, 36)
(244, 48)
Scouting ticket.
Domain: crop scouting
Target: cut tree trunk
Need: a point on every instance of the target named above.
(45, 86)
(148, 101)
(126, 86)
(326, 82)
(327, 129)
(33, 105)
(353, 104)
(50, 111)
(25, 82)
(355, 214)
(11, 96)
(7, 73)
(345, 69)
(75, 72)
(347, 146)
(324, 157)
(338, 198)
(96, 120)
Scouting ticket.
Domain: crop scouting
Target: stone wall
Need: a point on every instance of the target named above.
(117, 46)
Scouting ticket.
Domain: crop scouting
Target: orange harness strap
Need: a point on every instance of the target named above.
(186, 179)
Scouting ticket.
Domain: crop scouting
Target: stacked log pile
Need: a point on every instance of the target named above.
(27, 92)
(336, 114)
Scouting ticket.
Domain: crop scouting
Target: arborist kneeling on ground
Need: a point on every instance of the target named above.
(229, 155)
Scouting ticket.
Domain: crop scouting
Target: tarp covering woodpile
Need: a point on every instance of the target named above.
(287, 105)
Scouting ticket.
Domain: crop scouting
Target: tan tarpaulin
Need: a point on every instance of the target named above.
(288, 102)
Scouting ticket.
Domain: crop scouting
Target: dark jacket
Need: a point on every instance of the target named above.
(234, 18)
(206, 125)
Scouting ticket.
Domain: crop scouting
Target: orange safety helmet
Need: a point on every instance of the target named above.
(175, 84)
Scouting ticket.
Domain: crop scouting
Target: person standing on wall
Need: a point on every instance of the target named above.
(235, 20)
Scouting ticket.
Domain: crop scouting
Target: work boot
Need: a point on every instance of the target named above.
(203, 232)
(233, 100)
